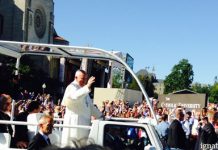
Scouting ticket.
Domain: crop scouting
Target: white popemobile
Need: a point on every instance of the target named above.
(137, 134)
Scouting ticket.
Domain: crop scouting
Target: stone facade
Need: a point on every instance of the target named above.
(7, 17)
(159, 87)
(30, 21)
(33, 21)
(27, 20)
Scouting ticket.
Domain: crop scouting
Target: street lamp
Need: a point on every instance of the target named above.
(43, 87)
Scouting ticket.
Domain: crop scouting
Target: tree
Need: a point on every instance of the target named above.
(147, 82)
(214, 93)
(180, 78)
(199, 88)
(117, 78)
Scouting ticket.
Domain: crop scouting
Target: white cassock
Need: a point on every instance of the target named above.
(79, 109)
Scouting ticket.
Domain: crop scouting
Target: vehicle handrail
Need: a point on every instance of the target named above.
(58, 119)
(35, 124)
(123, 119)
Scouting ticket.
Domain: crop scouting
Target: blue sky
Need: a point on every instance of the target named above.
(155, 33)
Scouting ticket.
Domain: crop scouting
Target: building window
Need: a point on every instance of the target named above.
(1, 24)
(40, 22)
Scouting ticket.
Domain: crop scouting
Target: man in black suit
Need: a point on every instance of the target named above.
(41, 139)
(176, 134)
(208, 134)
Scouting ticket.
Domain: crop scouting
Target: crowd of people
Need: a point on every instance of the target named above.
(76, 109)
(29, 104)
(178, 128)
(197, 127)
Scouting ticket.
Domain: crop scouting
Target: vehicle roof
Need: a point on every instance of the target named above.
(18, 49)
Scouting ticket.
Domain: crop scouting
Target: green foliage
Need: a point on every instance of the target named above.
(214, 93)
(199, 88)
(117, 79)
(8, 64)
(24, 69)
(180, 78)
(134, 84)
(147, 82)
